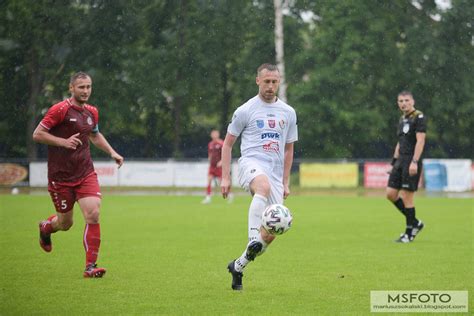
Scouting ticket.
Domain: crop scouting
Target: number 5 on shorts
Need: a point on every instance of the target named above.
(63, 204)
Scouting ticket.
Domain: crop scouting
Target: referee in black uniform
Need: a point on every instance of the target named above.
(406, 162)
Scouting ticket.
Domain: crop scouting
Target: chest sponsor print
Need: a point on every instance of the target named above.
(270, 135)
(271, 146)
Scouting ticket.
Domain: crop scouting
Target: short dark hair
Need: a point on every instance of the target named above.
(405, 92)
(78, 75)
(269, 67)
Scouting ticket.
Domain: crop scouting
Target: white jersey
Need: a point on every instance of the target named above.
(265, 128)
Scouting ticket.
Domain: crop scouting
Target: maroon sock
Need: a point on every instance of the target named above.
(208, 191)
(47, 227)
(91, 242)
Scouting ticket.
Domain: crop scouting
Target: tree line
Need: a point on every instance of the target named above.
(166, 72)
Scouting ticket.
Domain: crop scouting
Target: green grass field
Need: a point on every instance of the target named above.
(168, 255)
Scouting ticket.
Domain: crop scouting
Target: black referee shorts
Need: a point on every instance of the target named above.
(400, 178)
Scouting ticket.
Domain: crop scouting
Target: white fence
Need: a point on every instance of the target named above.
(140, 174)
(449, 175)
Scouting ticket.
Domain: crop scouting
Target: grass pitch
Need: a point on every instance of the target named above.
(168, 255)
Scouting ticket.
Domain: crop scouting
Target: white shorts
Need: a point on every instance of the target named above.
(250, 168)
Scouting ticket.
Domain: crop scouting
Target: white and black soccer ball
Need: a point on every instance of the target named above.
(276, 219)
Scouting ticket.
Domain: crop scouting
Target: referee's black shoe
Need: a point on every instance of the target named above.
(404, 239)
(236, 276)
(417, 229)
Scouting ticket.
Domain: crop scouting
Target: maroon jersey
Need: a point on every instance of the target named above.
(65, 119)
(214, 150)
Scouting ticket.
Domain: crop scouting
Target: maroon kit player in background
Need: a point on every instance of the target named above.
(67, 128)
(214, 150)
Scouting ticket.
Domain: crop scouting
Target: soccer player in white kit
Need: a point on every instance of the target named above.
(268, 127)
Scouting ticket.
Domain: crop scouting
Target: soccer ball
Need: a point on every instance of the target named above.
(276, 219)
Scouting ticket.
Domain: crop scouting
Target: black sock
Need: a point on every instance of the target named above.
(415, 220)
(401, 207)
(411, 220)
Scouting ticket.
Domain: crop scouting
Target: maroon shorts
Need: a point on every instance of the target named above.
(65, 194)
(215, 172)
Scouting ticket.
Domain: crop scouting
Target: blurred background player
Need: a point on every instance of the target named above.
(268, 128)
(407, 165)
(214, 153)
(67, 128)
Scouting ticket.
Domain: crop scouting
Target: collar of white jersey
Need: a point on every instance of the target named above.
(266, 103)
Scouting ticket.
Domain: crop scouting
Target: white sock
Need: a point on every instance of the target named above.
(257, 206)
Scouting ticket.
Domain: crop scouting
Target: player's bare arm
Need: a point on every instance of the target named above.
(100, 142)
(289, 150)
(420, 145)
(225, 161)
(396, 154)
(43, 136)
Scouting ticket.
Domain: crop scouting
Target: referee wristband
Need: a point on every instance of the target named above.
(414, 161)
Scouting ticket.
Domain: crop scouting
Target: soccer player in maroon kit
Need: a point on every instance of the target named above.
(214, 150)
(67, 128)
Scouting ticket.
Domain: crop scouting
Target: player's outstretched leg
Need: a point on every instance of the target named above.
(257, 244)
(236, 267)
(90, 208)
(45, 231)
(91, 246)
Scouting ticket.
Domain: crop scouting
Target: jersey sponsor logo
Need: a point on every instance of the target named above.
(72, 120)
(89, 120)
(282, 124)
(271, 146)
(270, 135)
(271, 115)
(260, 124)
(406, 128)
(271, 123)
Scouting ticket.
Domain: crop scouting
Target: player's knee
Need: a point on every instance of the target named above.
(391, 195)
(263, 188)
(92, 216)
